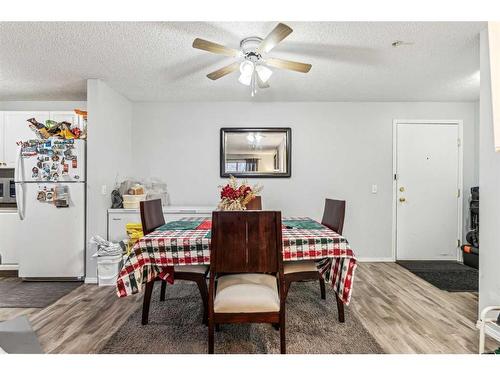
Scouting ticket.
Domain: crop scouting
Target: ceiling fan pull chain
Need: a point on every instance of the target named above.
(252, 85)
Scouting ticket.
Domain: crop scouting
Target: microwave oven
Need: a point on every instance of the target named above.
(7, 187)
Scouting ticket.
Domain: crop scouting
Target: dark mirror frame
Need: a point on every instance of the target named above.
(288, 134)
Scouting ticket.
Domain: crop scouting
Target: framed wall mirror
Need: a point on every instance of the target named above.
(255, 152)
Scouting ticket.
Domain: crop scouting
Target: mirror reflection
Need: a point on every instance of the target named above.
(256, 152)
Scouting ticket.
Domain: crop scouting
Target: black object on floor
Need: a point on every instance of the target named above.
(445, 275)
(17, 293)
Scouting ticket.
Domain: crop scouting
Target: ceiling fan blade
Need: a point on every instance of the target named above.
(205, 45)
(289, 65)
(280, 32)
(260, 83)
(219, 73)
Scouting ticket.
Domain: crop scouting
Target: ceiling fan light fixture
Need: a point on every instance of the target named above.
(254, 68)
(245, 79)
(247, 68)
(264, 73)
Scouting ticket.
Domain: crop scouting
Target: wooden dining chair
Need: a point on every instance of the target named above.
(255, 204)
(333, 215)
(333, 218)
(152, 218)
(246, 271)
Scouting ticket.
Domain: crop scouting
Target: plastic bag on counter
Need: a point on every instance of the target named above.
(157, 189)
(127, 185)
(107, 248)
(116, 199)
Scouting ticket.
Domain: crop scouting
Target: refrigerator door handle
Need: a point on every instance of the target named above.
(20, 199)
(19, 176)
(19, 171)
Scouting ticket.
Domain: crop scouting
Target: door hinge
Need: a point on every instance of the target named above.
(459, 142)
(395, 176)
(458, 193)
(459, 243)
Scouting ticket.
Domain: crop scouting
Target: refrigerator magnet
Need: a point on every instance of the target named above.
(34, 172)
(74, 163)
(41, 196)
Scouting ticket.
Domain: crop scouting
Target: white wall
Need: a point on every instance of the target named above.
(489, 194)
(108, 154)
(338, 150)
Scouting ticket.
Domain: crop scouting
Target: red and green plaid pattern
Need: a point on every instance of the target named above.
(154, 255)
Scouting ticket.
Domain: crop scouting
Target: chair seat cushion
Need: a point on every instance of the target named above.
(194, 269)
(299, 266)
(247, 293)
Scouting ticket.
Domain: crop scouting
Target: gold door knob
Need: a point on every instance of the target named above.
(402, 200)
(401, 189)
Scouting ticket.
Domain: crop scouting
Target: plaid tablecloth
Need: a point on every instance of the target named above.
(187, 242)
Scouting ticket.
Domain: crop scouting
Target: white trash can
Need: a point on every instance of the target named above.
(108, 268)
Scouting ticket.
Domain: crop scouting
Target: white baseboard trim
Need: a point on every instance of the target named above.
(9, 267)
(91, 280)
(374, 260)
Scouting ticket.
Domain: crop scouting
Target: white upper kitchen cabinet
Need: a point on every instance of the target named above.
(15, 128)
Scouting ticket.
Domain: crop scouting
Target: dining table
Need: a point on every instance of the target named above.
(187, 242)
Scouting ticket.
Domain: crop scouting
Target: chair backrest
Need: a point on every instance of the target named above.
(333, 215)
(151, 215)
(255, 204)
(246, 241)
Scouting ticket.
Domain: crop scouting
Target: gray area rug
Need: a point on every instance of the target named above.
(17, 337)
(17, 293)
(445, 275)
(175, 326)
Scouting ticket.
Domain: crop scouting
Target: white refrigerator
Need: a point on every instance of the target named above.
(50, 194)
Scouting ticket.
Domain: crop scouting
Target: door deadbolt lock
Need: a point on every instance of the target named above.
(402, 200)
(401, 189)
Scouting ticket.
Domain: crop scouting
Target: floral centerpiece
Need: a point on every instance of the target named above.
(235, 197)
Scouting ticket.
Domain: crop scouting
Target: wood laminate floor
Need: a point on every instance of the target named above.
(404, 313)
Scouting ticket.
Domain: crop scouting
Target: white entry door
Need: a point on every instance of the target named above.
(427, 191)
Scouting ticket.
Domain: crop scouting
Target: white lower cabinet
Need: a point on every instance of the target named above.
(10, 229)
(119, 218)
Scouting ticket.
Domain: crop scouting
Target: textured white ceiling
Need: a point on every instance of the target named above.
(351, 61)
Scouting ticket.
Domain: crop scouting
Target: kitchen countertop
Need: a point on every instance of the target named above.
(169, 209)
(8, 210)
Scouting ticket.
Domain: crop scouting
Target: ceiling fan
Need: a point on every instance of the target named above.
(253, 61)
